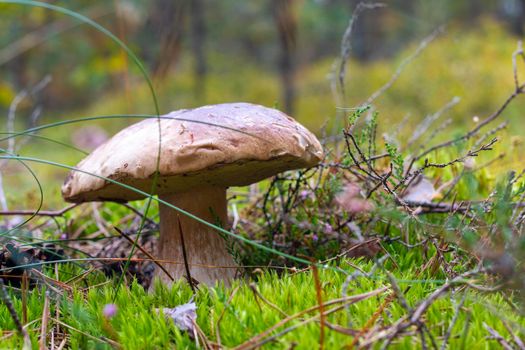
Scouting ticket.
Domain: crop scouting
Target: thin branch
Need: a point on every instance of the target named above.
(50, 213)
(346, 42)
(453, 322)
(498, 337)
(519, 343)
(429, 119)
(475, 130)
(518, 52)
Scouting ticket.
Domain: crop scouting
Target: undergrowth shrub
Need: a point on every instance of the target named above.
(375, 196)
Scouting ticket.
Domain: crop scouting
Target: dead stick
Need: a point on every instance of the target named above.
(183, 246)
(139, 247)
(51, 213)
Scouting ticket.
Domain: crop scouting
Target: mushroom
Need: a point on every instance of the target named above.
(203, 152)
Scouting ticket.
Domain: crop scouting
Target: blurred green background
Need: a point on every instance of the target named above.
(274, 52)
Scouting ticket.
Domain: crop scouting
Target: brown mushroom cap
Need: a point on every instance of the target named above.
(232, 144)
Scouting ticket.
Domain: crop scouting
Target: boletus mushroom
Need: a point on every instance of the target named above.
(203, 152)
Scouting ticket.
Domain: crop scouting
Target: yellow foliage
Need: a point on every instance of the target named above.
(6, 94)
(474, 65)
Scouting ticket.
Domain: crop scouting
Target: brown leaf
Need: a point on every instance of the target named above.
(368, 248)
(352, 201)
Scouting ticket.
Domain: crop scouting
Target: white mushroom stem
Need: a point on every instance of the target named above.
(208, 258)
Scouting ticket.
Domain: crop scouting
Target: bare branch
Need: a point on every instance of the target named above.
(475, 130)
(498, 337)
(346, 42)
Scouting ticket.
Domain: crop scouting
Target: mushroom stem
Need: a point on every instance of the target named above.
(208, 258)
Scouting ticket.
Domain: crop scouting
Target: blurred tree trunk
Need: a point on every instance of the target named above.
(17, 68)
(473, 7)
(198, 38)
(165, 25)
(519, 21)
(284, 15)
(367, 39)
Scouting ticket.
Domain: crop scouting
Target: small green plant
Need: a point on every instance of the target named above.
(397, 160)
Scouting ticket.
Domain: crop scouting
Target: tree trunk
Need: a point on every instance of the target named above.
(198, 38)
(286, 23)
(165, 26)
(519, 21)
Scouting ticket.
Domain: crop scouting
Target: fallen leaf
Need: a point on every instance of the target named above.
(367, 249)
(352, 201)
(184, 316)
(421, 190)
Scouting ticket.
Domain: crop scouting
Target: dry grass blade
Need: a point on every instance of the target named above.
(258, 294)
(62, 344)
(45, 322)
(200, 334)
(25, 287)
(340, 329)
(250, 344)
(372, 320)
(9, 304)
(414, 317)
(81, 276)
(97, 339)
(218, 324)
(164, 261)
(51, 282)
(319, 294)
(306, 321)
